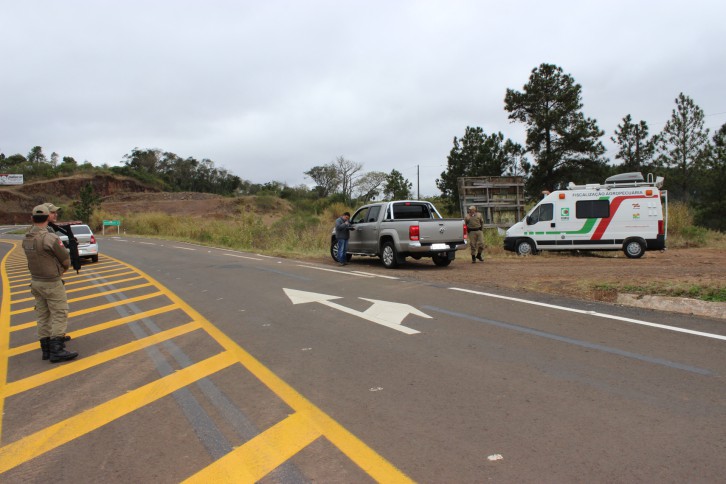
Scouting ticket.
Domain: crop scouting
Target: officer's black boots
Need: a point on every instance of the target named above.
(45, 347)
(473, 259)
(478, 256)
(58, 352)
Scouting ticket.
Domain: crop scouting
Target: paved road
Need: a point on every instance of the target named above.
(465, 385)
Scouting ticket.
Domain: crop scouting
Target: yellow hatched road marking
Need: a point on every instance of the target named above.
(262, 454)
(84, 288)
(91, 296)
(96, 328)
(4, 328)
(49, 438)
(13, 388)
(354, 448)
(251, 461)
(93, 309)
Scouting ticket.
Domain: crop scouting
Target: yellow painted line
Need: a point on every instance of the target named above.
(73, 283)
(97, 328)
(355, 449)
(262, 454)
(93, 309)
(86, 288)
(13, 388)
(90, 296)
(52, 437)
(101, 284)
(4, 330)
(109, 278)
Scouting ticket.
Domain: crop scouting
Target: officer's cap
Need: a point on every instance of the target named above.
(41, 210)
(51, 207)
(472, 207)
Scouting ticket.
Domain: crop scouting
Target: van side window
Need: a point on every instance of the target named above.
(592, 209)
(543, 213)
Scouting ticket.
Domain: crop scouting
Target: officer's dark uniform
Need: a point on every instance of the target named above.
(47, 261)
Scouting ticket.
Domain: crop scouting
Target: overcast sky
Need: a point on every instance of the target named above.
(269, 89)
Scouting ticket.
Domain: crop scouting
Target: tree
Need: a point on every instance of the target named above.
(36, 155)
(682, 145)
(326, 178)
(370, 184)
(347, 170)
(397, 187)
(563, 142)
(478, 154)
(87, 203)
(712, 203)
(635, 149)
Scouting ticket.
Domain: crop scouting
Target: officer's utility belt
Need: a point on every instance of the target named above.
(473, 230)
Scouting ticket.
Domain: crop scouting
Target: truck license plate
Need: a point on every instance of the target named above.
(439, 246)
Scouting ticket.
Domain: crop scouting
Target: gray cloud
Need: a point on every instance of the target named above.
(269, 89)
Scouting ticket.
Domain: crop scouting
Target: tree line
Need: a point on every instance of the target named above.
(562, 145)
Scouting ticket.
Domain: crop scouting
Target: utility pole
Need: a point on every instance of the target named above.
(418, 183)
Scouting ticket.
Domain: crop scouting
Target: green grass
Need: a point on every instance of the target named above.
(693, 291)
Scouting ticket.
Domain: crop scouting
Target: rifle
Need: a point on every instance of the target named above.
(65, 229)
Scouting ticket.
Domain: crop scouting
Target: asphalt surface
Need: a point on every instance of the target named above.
(474, 385)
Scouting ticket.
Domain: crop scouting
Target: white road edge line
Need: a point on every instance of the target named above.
(241, 256)
(352, 273)
(595, 313)
(183, 248)
(375, 275)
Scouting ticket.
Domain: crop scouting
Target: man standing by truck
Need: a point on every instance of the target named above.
(474, 225)
(342, 229)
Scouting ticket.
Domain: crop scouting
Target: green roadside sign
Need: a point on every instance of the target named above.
(112, 223)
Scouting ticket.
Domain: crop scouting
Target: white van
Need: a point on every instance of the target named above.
(625, 213)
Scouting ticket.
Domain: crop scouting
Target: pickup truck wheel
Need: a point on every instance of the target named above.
(334, 251)
(441, 260)
(525, 247)
(389, 256)
(634, 249)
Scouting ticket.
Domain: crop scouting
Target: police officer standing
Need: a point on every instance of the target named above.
(474, 225)
(47, 261)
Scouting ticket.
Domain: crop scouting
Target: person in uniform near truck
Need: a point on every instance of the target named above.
(47, 261)
(342, 234)
(474, 225)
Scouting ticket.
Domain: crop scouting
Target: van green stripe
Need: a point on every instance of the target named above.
(586, 228)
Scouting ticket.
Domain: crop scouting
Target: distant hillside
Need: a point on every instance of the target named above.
(16, 202)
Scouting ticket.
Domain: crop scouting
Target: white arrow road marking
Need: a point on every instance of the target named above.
(385, 313)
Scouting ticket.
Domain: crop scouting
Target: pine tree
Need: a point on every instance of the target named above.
(682, 146)
(565, 145)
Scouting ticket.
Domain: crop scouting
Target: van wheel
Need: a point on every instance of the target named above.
(525, 247)
(634, 249)
(389, 256)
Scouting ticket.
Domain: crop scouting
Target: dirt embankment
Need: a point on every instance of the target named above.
(18, 201)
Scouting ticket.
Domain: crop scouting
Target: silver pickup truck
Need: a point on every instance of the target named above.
(399, 229)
